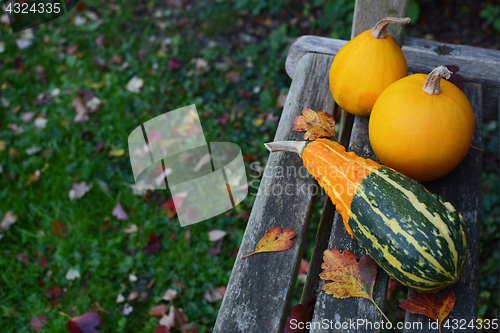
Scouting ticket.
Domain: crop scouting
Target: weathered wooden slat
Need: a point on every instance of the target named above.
(462, 188)
(368, 13)
(332, 314)
(476, 64)
(343, 312)
(260, 289)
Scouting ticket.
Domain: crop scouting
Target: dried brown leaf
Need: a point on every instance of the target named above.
(316, 124)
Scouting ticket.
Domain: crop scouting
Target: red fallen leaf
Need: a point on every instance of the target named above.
(159, 310)
(275, 239)
(302, 314)
(169, 208)
(191, 213)
(119, 212)
(244, 94)
(22, 257)
(216, 249)
(97, 308)
(304, 266)
(427, 304)
(174, 64)
(59, 229)
(224, 119)
(190, 328)
(43, 261)
(44, 98)
(316, 124)
(72, 49)
(116, 59)
(214, 294)
(179, 284)
(391, 286)
(84, 323)
(100, 40)
(281, 100)
(455, 78)
(162, 329)
(155, 136)
(142, 54)
(182, 22)
(54, 295)
(38, 322)
(153, 246)
(81, 6)
(99, 61)
(172, 236)
(98, 147)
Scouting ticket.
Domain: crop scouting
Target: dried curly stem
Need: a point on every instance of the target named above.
(379, 30)
(432, 85)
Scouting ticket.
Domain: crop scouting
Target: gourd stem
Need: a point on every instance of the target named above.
(432, 85)
(292, 146)
(379, 31)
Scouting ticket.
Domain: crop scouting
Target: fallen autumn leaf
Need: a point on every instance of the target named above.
(275, 239)
(84, 323)
(316, 124)
(350, 278)
(427, 304)
(8, 219)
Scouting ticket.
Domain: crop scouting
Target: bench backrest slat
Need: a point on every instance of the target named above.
(260, 289)
(475, 64)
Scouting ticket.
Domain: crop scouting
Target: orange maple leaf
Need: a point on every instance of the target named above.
(275, 239)
(427, 304)
(316, 124)
(350, 278)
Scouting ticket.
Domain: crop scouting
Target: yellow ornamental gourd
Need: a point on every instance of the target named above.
(365, 66)
(422, 126)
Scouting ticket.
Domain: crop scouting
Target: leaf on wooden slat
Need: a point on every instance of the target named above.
(427, 304)
(316, 124)
(275, 239)
(350, 278)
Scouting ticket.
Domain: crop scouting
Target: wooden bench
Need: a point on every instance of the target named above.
(260, 289)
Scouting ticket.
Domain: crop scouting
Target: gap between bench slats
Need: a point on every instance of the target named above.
(260, 289)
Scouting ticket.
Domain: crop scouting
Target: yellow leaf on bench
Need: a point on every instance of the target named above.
(275, 239)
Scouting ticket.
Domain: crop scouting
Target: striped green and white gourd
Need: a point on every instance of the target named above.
(416, 237)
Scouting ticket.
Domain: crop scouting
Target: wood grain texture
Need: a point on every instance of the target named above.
(260, 289)
(368, 12)
(476, 64)
(462, 188)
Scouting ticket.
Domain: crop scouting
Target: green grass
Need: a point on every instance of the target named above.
(95, 243)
